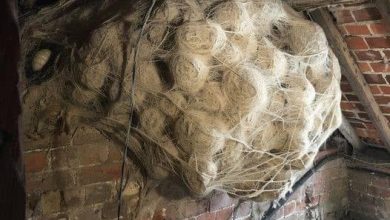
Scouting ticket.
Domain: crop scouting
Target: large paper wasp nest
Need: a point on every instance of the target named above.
(234, 95)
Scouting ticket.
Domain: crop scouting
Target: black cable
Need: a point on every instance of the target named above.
(273, 209)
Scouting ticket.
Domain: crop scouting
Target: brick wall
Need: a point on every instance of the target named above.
(369, 41)
(369, 195)
(73, 178)
(323, 196)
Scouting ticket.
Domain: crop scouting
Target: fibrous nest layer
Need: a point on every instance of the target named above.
(233, 95)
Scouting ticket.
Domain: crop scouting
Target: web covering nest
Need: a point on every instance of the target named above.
(236, 95)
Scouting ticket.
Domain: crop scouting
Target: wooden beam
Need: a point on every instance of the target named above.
(352, 72)
(301, 5)
(349, 133)
(384, 8)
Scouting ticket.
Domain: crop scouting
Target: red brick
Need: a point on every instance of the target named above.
(368, 55)
(357, 29)
(343, 16)
(367, 14)
(347, 106)
(356, 42)
(385, 89)
(342, 30)
(35, 161)
(364, 67)
(385, 109)
(361, 132)
(388, 79)
(364, 116)
(369, 125)
(378, 28)
(225, 213)
(101, 173)
(379, 191)
(378, 42)
(349, 114)
(382, 100)
(243, 210)
(49, 181)
(352, 98)
(207, 216)
(345, 87)
(374, 79)
(387, 54)
(220, 200)
(375, 90)
(64, 158)
(360, 107)
(358, 125)
(380, 67)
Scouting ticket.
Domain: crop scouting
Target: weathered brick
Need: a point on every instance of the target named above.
(220, 200)
(196, 207)
(51, 202)
(343, 16)
(378, 28)
(226, 213)
(375, 90)
(345, 87)
(354, 42)
(49, 181)
(87, 135)
(349, 114)
(368, 55)
(87, 213)
(73, 198)
(374, 79)
(347, 106)
(358, 125)
(380, 67)
(383, 100)
(66, 157)
(109, 210)
(94, 153)
(207, 216)
(99, 173)
(367, 14)
(352, 98)
(364, 67)
(35, 161)
(378, 42)
(243, 210)
(385, 89)
(357, 29)
(98, 193)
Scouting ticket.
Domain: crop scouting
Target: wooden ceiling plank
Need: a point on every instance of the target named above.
(352, 73)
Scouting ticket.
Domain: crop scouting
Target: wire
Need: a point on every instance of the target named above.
(133, 84)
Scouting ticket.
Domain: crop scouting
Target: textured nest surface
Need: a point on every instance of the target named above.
(230, 95)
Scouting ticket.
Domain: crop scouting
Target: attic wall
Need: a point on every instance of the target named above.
(369, 195)
(78, 179)
(369, 42)
(73, 181)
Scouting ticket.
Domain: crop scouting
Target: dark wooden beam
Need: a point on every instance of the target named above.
(384, 8)
(349, 133)
(301, 5)
(352, 72)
